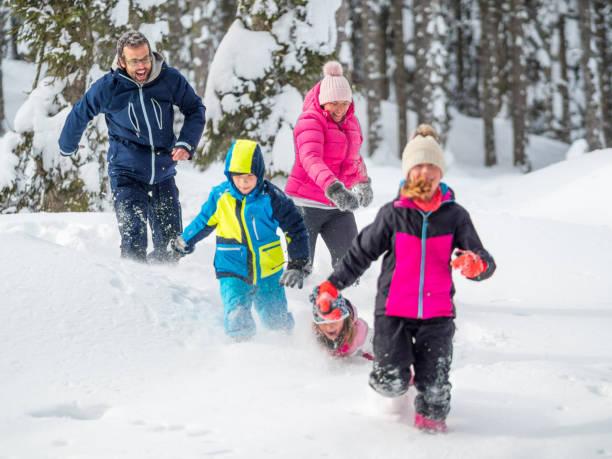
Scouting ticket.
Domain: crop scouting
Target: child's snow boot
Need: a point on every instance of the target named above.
(239, 324)
(429, 425)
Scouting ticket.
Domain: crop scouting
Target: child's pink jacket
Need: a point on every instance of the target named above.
(362, 340)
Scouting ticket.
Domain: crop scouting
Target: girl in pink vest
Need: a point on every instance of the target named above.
(416, 234)
(341, 332)
(329, 178)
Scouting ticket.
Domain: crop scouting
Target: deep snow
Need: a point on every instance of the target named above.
(106, 358)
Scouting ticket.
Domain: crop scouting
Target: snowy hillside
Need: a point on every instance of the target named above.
(106, 358)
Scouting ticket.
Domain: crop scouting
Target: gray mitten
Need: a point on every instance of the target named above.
(364, 192)
(341, 197)
(295, 274)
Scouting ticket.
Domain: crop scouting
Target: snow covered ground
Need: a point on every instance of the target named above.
(104, 358)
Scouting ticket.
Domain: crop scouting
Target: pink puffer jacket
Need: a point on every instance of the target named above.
(325, 151)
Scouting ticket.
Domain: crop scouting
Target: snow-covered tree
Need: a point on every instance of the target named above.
(588, 65)
(431, 78)
(399, 71)
(72, 46)
(603, 39)
(518, 80)
(196, 28)
(3, 35)
(271, 55)
(374, 63)
(489, 80)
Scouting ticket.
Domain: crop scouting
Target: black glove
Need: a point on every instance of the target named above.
(364, 192)
(341, 197)
(180, 247)
(294, 274)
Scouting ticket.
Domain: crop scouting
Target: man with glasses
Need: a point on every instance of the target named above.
(137, 98)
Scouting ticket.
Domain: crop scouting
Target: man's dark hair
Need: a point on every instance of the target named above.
(131, 39)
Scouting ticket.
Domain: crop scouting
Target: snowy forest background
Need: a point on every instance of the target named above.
(544, 65)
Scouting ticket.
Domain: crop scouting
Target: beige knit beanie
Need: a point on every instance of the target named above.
(423, 148)
(334, 86)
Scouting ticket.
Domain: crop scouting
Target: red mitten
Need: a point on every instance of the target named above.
(326, 296)
(470, 264)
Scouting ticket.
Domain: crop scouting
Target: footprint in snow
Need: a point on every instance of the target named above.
(72, 411)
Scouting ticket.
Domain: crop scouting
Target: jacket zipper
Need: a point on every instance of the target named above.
(249, 241)
(423, 257)
(144, 111)
(255, 228)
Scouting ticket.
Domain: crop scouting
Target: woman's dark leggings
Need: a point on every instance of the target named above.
(336, 227)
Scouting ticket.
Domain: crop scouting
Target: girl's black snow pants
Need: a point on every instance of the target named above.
(426, 344)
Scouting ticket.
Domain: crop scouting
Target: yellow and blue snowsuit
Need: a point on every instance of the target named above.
(249, 258)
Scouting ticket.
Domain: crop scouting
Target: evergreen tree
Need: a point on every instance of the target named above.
(73, 44)
(256, 91)
(195, 29)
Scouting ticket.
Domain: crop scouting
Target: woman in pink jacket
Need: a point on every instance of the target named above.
(329, 178)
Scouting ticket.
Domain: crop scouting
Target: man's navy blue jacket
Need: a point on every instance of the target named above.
(140, 121)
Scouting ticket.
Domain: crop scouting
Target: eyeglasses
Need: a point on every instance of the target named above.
(134, 62)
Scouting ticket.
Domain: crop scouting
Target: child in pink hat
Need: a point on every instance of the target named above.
(329, 179)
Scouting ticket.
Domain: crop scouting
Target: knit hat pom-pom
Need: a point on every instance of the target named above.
(332, 68)
(426, 130)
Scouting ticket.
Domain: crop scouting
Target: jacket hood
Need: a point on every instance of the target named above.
(311, 102)
(156, 67)
(245, 157)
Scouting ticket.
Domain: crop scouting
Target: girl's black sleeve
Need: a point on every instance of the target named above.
(370, 243)
(466, 238)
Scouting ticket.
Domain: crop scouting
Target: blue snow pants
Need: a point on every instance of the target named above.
(269, 299)
(137, 203)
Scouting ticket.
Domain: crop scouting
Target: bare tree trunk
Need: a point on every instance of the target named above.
(343, 41)
(374, 40)
(14, 32)
(431, 76)
(459, 49)
(588, 66)
(3, 15)
(518, 82)
(565, 128)
(488, 60)
(603, 23)
(399, 76)
(422, 44)
(358, 41)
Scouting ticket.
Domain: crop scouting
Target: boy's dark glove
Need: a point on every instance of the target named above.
(295, 273)
(364, 192)
(180, 247)
(341, 197)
